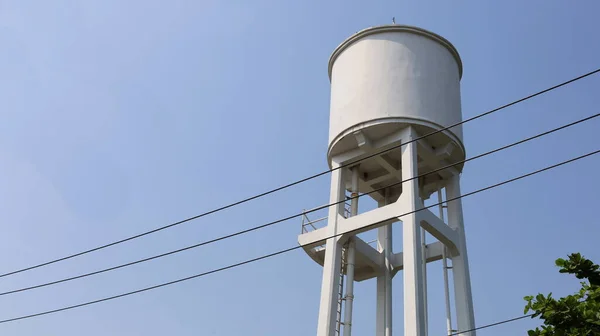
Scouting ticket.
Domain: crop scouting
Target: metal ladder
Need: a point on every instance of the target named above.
(341, 295)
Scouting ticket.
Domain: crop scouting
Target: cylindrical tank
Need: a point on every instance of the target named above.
(387, 77)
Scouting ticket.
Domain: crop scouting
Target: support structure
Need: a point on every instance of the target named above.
(384, 281)
(349, 298)
(414, 301)
(465, 315)
(445, 268)
(390, 86)
(332, 261)
(402, 204)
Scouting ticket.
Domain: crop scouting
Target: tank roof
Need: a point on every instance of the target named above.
(395, 28)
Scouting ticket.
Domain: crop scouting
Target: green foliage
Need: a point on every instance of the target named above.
(573, 315)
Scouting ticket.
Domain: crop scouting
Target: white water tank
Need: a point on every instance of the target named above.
(386, 77)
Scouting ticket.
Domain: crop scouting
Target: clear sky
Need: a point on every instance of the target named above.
(121, 116)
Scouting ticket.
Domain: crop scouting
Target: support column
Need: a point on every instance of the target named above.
(380, 323)
(384, 282)
(424, 267)
(351, 256)
(389, 250)
(332, 263)
(349, 288)
(445, 269)
(414, 312)
(465, 316)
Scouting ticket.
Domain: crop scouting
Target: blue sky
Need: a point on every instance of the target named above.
(121, 116)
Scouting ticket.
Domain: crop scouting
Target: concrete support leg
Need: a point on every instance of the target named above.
(414, 310)
(445, 269)
(465, 316)
(384, 284)
(388, 279)
(332, 263)
(330, 288)
(349, 288)
(380, 312)
(424, 265)
(348, 304)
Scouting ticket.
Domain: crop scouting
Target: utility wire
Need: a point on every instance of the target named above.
(539, 135)
(296, 182)
(288, 249)
(491, 324)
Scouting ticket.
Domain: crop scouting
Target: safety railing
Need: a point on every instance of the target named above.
(312, 225)
(309, 225)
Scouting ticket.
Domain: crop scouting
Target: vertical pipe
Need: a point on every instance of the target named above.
(445, 265)
(354, 195)
(351, 256)
(424, 254)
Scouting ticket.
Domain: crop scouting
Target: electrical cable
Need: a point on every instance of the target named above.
(290, 249)
(491, 324)
(539, 135)
(293, 183)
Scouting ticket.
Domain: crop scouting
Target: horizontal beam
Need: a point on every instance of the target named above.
(389, 167)
(433, 252)
(373, 257)
(378, 179)
(315, 238)
(432, 160)
(369, 190)
(360, 223)
(369, 220)
(354, 225)
(382, 216)
(437, 228)
(446, 151)
(382, 144)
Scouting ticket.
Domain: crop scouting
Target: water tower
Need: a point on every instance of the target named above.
(390, 85)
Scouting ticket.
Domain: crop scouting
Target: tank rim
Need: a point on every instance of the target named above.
(395, 28)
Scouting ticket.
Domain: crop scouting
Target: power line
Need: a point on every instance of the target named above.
(539, 135)
(491, 325)
(296, 182)
(288, 249)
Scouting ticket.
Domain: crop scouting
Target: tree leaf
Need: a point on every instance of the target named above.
(573, 315)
